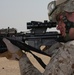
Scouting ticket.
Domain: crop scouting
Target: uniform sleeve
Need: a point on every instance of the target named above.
(27, 68)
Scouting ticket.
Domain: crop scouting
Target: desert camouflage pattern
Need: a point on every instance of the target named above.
(61, 63)
(58, 10)
(26, 67)
(67, 6)
(59, 1)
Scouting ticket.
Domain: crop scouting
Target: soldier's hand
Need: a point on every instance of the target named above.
(13, 51)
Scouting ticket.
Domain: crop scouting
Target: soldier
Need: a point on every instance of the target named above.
(62, 61)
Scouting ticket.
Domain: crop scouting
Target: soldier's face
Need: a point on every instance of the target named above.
(61, 25)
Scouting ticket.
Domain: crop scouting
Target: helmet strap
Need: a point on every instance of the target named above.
(69, 25)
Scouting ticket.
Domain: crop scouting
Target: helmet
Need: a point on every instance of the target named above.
(59, 1)
(68, 5)
(59, 6)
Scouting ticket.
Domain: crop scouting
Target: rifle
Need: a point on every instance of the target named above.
(32, 40)
(37, 36)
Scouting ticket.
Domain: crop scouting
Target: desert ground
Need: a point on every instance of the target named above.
(11, 67)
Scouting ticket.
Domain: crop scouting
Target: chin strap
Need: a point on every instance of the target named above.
(69, 25)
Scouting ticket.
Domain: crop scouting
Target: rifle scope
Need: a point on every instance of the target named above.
(37, 24)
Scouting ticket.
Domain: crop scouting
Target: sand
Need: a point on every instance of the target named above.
(11, 67)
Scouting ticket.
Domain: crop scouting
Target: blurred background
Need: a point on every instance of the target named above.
(16, 13)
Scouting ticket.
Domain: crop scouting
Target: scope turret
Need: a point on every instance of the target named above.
(37, 24)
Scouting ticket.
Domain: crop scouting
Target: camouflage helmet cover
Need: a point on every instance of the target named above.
(59, 1)
(68, 5)
(62, 5)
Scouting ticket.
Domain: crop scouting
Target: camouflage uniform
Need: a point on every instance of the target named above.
(61, 63)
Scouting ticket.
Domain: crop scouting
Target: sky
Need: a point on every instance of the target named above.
(16, 13)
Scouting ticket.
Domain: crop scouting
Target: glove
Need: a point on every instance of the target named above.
(16, 52)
